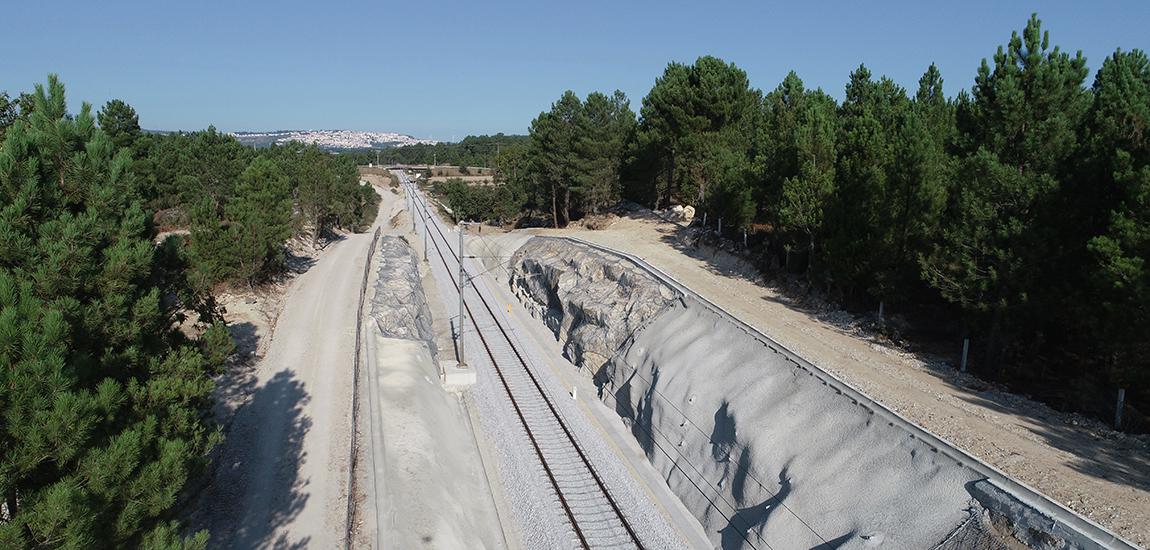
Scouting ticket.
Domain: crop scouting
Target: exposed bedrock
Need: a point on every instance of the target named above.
(765, 453)
(591, 301)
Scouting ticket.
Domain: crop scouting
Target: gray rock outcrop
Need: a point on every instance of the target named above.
(593, 302)
(398, 306)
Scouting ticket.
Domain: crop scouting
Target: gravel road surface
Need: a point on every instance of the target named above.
(282, 474)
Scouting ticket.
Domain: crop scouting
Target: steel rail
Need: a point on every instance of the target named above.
(537, 385)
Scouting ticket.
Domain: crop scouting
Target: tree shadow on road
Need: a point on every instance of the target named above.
(297, 264)
(234, 387)
(257, 489)
(1097, 451)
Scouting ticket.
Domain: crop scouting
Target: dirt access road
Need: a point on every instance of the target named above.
(282, 474)
(1096, 472)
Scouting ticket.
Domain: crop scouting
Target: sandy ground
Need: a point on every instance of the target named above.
(472, 180)
(282, 474)
(1099, 473)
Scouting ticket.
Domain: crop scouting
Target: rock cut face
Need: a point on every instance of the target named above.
(593, 302)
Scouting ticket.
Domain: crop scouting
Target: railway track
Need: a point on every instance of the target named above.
(595, 518)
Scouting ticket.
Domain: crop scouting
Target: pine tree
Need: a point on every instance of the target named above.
(605, 126)
(13, 109)
(185, 168)
(1019, 130)
(1117, 167)
(317, 190)
(921, 179)
(354, 206)
(891, 184)
(7, 113)
(804, 197)
(700, 122)
(778, 155)
(119, 121)
(260, 215)
(862, 248)
(104, 405)
(212, 250)
(554, 136)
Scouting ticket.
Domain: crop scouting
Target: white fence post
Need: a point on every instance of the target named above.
(1118, 408)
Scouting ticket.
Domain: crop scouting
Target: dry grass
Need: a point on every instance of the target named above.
(454, 171)
(470, 180)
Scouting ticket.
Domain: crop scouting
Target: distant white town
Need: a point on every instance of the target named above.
(333, 139)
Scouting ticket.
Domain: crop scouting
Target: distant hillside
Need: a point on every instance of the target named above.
(335, 140)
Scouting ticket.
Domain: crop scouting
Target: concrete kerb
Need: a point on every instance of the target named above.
(1064, 522)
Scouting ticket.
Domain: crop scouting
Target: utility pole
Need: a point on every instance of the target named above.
(424, 237)
(462, 283)
(1118, 408)
(965, 351)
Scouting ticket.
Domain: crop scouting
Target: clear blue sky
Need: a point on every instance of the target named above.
(446, 70)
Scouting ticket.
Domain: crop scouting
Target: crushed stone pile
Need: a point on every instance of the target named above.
(398, 306)
(592, 302)
(764, 452)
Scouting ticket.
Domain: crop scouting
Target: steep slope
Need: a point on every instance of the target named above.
(766, 449)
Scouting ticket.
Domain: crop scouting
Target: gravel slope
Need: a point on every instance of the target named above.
(429, 488)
